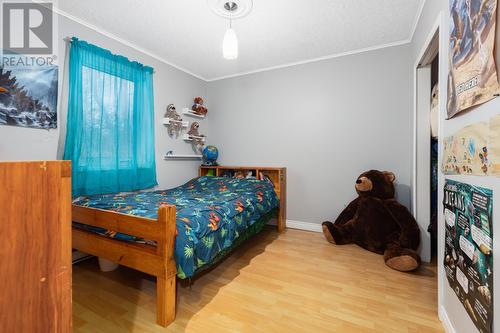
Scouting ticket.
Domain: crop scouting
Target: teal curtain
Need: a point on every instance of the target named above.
(110, 130)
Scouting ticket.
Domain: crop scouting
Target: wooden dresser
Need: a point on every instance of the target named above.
(276, 175)
(35, 247)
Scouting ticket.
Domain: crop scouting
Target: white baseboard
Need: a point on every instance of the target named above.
(307, 226)
(300, 225)
(443, 316)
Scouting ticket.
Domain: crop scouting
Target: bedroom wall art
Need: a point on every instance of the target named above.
(28, 97)
(494, 146)
(472, 79)
(468, 256)
(473, 150)
(464, 152)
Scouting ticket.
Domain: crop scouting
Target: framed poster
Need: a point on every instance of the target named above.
(472, 79)
(468, 255)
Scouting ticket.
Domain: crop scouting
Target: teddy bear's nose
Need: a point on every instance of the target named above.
(359, 181)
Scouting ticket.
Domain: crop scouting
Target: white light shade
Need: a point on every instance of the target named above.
(230, 45)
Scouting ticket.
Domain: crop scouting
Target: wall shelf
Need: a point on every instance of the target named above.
(190, 138)
(168, 121)
(171, 156)
(190, 112)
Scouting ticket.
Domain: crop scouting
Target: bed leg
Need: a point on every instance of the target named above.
(165, 282)
(281, 223)
(165, 300)
(282, 209)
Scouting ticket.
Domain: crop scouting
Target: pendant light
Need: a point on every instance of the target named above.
(230, 10)
(230, 42)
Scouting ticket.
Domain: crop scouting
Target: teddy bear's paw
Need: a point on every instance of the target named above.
(404, 263)
(327, 233)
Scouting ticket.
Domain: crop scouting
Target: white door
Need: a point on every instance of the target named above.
(422, 199)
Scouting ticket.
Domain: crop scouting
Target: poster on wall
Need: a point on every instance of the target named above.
(472, 79)
(28, 97)
(466, 151)
(468, 256)
(473, 150)
(494, 146)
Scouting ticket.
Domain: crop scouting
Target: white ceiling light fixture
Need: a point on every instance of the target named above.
(230, 10)
(230, 42)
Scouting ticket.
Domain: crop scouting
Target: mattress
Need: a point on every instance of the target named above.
(213, 214)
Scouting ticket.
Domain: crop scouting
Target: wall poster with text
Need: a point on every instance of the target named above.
(468, 256)
(472, 79)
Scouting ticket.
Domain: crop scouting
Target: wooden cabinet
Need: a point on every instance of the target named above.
(35, 246)
(276, 175)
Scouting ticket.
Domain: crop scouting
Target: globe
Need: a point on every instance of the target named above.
(210, 155)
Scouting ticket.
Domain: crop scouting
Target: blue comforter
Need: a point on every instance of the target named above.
(212, 212)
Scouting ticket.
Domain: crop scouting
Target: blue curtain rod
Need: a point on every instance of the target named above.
(68, 40)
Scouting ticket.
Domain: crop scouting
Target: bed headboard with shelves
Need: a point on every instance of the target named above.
(277, 175)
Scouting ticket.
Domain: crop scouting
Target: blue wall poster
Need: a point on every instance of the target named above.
(468, 255)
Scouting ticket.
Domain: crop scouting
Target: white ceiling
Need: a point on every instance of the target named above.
(188, 35)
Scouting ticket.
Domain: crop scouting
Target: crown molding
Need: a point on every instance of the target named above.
(335, 55)
(417, 19)
(265, 69)
(303, 62)
(125, 42)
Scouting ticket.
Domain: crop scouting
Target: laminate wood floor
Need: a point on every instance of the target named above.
(293, 282)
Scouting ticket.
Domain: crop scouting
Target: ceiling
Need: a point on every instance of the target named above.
(277, 33)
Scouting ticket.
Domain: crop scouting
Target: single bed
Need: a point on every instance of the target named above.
(181, 231)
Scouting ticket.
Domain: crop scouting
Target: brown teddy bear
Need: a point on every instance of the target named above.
(198, 107)
(377, 222)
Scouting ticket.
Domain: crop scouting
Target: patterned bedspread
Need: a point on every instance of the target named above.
(212, 212)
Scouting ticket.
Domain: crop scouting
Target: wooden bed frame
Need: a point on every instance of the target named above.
(158, 261)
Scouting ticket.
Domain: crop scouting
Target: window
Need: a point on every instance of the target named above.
(110, 134)
(107, 106)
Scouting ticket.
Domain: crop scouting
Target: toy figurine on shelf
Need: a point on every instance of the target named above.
(198, 107)
(175, 121)
(240, 174)
(194, 135)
